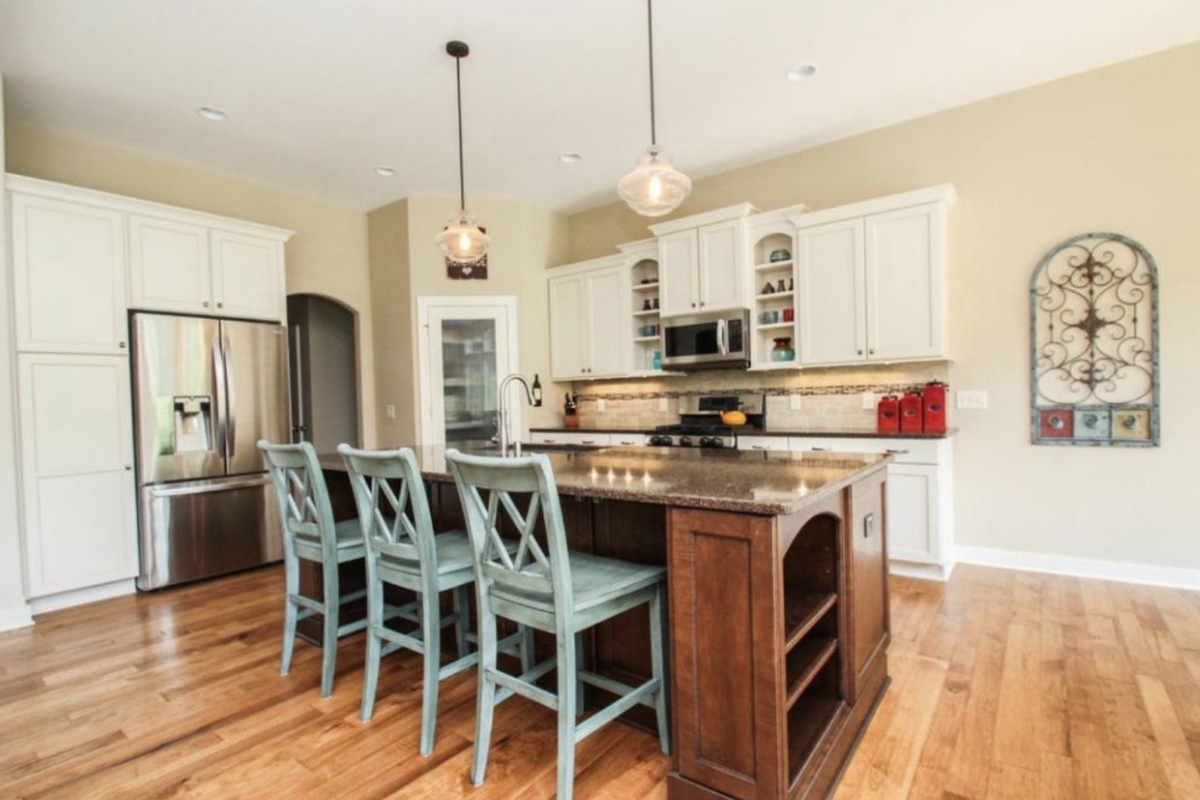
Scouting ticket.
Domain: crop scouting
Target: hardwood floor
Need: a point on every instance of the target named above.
(1007, 686)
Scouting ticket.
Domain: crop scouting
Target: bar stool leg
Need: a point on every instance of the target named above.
(486, 702)
(331, 609)
(432, 638)
(291, 589)
(657, 661)
(375, 615)
(567, 710)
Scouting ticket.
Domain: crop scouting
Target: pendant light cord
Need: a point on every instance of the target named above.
(650, 30)
(462, 186)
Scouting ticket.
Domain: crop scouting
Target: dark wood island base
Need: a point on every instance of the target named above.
(777, 581)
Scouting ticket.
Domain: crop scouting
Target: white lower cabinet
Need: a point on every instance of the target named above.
(762, 442)
(920, 502)
(569, 437)
(76, 469)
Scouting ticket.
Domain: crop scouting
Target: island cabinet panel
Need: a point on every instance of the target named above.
(868, 596)
(726, 664)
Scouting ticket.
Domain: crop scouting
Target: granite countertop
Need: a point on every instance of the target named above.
(752, 482)
(748, 431)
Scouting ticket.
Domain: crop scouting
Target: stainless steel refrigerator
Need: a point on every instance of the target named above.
(205, 391)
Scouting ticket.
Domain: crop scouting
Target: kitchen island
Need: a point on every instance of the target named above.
(777, 576)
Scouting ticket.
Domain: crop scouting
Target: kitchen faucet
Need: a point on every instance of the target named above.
(502, 413)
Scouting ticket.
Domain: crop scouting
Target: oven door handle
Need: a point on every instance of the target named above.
(723, 336)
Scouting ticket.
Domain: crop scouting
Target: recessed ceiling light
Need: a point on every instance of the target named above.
(570, 158)
(801, 72)
(386, 172)
(212, 114)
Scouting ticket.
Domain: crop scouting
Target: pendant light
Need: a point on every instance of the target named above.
(462, 240)
(654, 188)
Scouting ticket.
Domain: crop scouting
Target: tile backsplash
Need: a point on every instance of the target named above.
(830, 398)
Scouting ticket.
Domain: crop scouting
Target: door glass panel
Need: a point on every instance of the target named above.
(469, 378)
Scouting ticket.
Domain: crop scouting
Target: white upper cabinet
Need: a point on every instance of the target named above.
(589, 336)
(69, 276)
(679, 279)
(830, 272)
(871, 280)
(702, 261)
(168, 265)
(905, 283)
(247, 276)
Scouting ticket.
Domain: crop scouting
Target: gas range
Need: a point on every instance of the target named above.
(710, 436)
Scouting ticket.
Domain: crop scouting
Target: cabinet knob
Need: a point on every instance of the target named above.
(860, 352)
(871, 352)
(220, 305)
(693, 305)
(128, 467)
(121, 345)
(205, 304)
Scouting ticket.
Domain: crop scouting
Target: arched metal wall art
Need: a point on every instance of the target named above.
(1093, 307)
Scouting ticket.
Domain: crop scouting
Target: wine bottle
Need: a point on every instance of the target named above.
(537, 391)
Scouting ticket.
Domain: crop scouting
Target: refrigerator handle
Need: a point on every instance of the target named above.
(298, 358)
(222, 400)
(230, 401)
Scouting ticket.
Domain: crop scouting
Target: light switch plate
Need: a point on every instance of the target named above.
(663, 405)
(389, 411)
(974, 398)
(795, 402)
(868, 400)
(600, 404)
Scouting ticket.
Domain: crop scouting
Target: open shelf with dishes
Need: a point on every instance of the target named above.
(774, 318)
(812, 639)
(647, 327)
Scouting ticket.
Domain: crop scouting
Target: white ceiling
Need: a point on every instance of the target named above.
(319, 92)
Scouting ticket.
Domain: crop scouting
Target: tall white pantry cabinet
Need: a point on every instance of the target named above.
(81, 261)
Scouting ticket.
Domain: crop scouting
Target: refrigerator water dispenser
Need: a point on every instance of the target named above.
(193, 424)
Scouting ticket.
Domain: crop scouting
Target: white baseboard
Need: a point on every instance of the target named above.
(1120, 571)
(16, 617)
(913, 569)
(54, 602)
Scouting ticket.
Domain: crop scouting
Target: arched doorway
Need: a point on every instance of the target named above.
(323, 356)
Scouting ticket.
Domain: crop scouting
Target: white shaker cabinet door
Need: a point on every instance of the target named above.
(608, 333)
(68, 276)
(905, 284)
(913, 508)
(679, 289)
(168, 266)
(247, 276)
(568, 328)
(720, 265)
(830, 308)
(77, 478)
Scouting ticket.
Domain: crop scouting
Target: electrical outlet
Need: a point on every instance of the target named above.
(976, 398)
(600, 405)
(795, 403)
(868, 400)
(389, 411)
(663, 405)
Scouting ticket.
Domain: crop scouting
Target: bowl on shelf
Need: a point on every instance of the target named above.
(779, 255)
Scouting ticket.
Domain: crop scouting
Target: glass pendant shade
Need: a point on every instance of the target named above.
(462, 240)
(654, 188)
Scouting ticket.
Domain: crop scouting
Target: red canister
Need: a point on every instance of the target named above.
(911, 407)
(934, 396)
(888, 412)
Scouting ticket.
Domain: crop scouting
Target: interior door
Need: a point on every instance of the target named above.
(467, 348)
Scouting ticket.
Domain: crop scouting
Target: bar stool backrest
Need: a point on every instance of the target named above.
(530, 569)
(303, 500)
(387, 484)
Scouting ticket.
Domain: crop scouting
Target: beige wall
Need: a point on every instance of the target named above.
(327, 256)
(1116, 149)
(13, 609)
(406, 265)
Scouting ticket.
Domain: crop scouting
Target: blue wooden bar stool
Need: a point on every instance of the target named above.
(558, 591)
(310, 533)
(403, 550)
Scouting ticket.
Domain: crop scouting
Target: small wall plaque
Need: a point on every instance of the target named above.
(1093, 308)
(457, 271)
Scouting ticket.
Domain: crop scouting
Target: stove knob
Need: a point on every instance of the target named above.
(715, 441)
(660, 441)
(685, 441)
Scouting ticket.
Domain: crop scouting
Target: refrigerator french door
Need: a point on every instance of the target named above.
(205, 391)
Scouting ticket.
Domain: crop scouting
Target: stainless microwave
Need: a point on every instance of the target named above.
(715, 339)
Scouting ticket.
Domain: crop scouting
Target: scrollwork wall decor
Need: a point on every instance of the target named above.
(1093, 307)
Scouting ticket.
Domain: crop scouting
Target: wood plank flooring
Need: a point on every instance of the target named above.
(1007, 685)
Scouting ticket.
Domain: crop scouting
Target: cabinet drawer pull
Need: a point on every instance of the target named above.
(868, 525)
(821, 449)
(896, 452)
(549, 441)
(588, 441)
